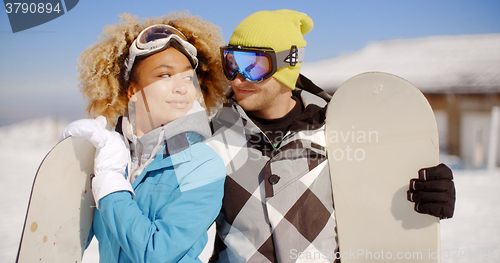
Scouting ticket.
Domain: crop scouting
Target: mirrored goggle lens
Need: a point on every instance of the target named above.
(159, 32)
(251, 65)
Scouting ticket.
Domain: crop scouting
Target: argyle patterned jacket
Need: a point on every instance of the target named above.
(278, 204)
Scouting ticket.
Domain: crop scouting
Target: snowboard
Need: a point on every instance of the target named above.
(380, 131)
(61, 206)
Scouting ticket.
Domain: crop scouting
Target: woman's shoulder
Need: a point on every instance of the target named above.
(201, 151)
(203, 168)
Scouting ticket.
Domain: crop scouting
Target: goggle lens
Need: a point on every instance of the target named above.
(251, 65)
(159, 32)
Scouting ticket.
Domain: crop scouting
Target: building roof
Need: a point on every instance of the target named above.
(438, 64)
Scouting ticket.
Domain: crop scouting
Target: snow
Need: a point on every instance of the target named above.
(475, 225)
(463, 63)
(23, 146)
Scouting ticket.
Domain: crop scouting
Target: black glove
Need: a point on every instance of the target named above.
(433, 192)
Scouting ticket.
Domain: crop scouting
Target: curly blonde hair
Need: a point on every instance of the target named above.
(101, 66)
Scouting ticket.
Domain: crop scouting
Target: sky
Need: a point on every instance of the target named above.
(38, 74)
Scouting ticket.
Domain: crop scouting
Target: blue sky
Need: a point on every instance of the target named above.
(38, 65)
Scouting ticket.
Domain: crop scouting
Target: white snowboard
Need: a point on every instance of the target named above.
(61, 206)
(380, 131)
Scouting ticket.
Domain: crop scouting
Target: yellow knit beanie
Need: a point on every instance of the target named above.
(279, 30)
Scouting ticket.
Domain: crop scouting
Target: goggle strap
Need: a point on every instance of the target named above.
(129, 63)
(290, 57)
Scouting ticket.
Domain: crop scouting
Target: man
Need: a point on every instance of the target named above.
(278, 195)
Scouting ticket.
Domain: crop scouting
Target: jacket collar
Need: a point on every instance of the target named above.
(314, 99)
(167, 145)
(311, 118)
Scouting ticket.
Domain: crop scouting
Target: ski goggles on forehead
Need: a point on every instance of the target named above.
(157, 38)
(257, 64)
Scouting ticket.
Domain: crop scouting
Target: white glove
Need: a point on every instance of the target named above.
(111, 156)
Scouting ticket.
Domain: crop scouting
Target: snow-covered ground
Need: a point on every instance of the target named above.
(467, 237)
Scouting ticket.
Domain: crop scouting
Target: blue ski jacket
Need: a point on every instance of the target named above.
(177, 197)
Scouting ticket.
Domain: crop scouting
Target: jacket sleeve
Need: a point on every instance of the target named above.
(178, 224)
(91, 236)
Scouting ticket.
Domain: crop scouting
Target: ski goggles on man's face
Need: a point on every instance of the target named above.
(157, 38)
(256, 64)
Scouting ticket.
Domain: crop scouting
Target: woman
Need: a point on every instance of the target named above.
(157, 187)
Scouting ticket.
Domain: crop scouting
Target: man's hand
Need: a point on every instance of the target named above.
(433, 192)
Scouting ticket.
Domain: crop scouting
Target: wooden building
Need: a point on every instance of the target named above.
(459, 75)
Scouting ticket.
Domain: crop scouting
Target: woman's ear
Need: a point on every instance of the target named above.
(131, 92)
